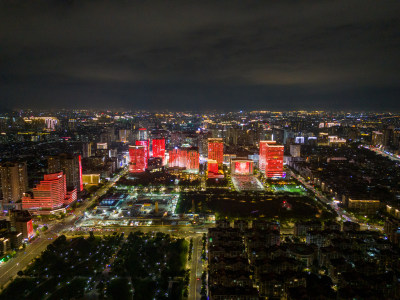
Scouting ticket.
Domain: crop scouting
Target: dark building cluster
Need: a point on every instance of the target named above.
(329, 261)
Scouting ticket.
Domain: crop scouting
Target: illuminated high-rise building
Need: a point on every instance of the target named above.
(144, 143)
(216, 150)
(87, 150)
(192, 162)
(183, 158)
(124, 135)
(138, 159)
(377, 138)
(271, 159)
(50, 193)
(21, 220)
(177, 158)
(263, 154)
(173, 160)
(14, 181)
(142, 134)
(187, 158)
(70, 165)
(295, 150)
(159, 148)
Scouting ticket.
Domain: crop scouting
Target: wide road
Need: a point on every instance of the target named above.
(393, 157)
(196, 269)
(21, 260)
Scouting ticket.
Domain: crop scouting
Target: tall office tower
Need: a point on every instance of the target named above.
(271, 159)
(124, 135)
(216, 150)
(173, 160)
(183, 156)
(159, 148)
(263, 154)
(14, 181)
(50, 193)
(295, 150)
(138, 159)
(146, 145)
(202, 142)
(70, 165)
(87, 150)
(21, 220)
(193, 158)
(377, 138)
(142, 134)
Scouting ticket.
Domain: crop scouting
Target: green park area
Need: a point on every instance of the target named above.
(288, 188)
(141, 266)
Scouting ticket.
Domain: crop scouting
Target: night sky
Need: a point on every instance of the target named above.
(200, 55)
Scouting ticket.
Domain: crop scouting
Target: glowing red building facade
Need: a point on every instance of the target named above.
(216, 150)
(212, 168)
(146, 144)
(138, 159)
(242, 167)
(173, 160)
(80, 175)
(177, 158)
(271, 159)
(184, 158)
(159, 148)
(50, 193)
(193, 158)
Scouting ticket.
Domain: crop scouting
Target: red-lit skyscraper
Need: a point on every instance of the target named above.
(138, 159)
(80, 175)
(173, 160)
(192, 162)
(159, 148)
(216, 150)
(184, 158)
(50, 193)
(144, 143)
(177, 158)
(263, 154)
(271, 159)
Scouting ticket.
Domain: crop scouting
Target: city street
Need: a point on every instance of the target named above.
(378, 151)
(196, 269)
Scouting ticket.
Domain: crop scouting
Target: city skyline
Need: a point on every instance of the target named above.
(199, 150)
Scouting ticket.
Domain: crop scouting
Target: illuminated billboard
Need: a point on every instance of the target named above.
(242, 167)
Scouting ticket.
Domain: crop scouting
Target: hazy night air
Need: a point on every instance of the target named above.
(193, 55)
